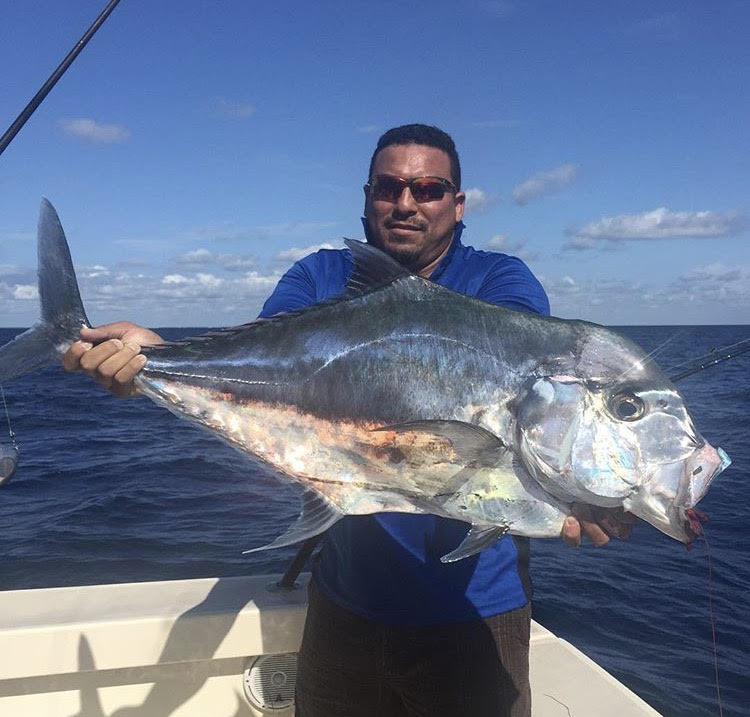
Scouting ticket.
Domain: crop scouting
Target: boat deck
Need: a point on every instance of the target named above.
(180, 648)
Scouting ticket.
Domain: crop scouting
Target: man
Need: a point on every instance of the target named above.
(391, 630)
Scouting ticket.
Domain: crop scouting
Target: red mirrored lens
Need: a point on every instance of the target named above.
(386, 188)
(426, 189)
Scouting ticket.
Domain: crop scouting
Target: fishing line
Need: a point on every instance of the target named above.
(651, 354)
(712, 358)
(8, 458)
(712, 619)
(7, 418)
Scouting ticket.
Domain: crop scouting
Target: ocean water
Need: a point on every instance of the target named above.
(119, 491)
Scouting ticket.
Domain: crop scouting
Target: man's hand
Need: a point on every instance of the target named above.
(597, 524)
(111, 355)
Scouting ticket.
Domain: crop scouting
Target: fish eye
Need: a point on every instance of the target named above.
(627, 407)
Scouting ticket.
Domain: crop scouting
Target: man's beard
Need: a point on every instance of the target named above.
(407, 256)
(404, 255)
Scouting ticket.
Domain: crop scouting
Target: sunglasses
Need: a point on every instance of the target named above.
(387, 188)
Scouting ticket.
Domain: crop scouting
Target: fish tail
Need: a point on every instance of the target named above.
(62, 312)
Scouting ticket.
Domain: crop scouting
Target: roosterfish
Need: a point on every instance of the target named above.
(401, 395)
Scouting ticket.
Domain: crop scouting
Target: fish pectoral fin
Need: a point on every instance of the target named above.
(472, 443)
(318, 514)
(477, 539)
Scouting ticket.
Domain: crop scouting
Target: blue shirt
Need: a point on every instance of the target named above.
(387, 567)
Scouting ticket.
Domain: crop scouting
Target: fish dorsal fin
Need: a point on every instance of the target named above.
(373, 269)
(477, 539)
(318, 514)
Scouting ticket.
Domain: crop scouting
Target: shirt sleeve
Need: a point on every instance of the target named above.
(295, 290)
(510, 283)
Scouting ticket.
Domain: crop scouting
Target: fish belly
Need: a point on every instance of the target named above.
(362, 468)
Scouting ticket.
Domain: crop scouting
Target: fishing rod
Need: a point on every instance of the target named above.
(712, 358)
(37, 99)
(9, 452)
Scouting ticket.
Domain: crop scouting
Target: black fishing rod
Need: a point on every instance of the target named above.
(712, 358)
(20, 121)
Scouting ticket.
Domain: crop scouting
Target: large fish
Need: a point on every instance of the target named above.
(405, 396)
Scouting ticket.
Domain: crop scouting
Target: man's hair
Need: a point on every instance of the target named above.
(421, 134)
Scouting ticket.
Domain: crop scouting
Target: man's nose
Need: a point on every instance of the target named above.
(406, 203)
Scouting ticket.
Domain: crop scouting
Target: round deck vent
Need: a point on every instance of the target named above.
(269, 681)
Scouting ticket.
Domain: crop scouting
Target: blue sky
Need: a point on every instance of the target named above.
(195, 149)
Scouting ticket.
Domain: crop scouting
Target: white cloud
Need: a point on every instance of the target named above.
(713, 272)
(237, 110)
(204, 257)
(92, 131)
(477, 200)
(256, 281)
(542, 183)
(198, 256)
(235, 262)
(173, 297)
(711, 294)
(174, 279)
(92, 272)
(296, 253)
(503, 243)
(660, 223)
(25, 291)
(500, 242)
(209, 280)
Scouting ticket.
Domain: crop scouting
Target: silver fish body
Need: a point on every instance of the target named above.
(405, 396)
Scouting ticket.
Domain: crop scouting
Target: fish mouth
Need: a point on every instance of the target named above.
(704, 465)
(698, 473)
(669, 500)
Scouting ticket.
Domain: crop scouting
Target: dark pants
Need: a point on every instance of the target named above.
(352, 667)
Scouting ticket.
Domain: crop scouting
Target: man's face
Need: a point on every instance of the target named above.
(414, 234)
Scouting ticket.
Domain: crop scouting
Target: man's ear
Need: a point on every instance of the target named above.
(460, 202)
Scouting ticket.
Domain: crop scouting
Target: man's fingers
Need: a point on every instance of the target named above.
(124, 330)
(116, 368)
(594, 533)
(113, 365)
(71, 359)
(98, 334)
(615, 521)
(122, 381)
(92, 359)
(571, 532)
(110, 354)
(589, 525)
